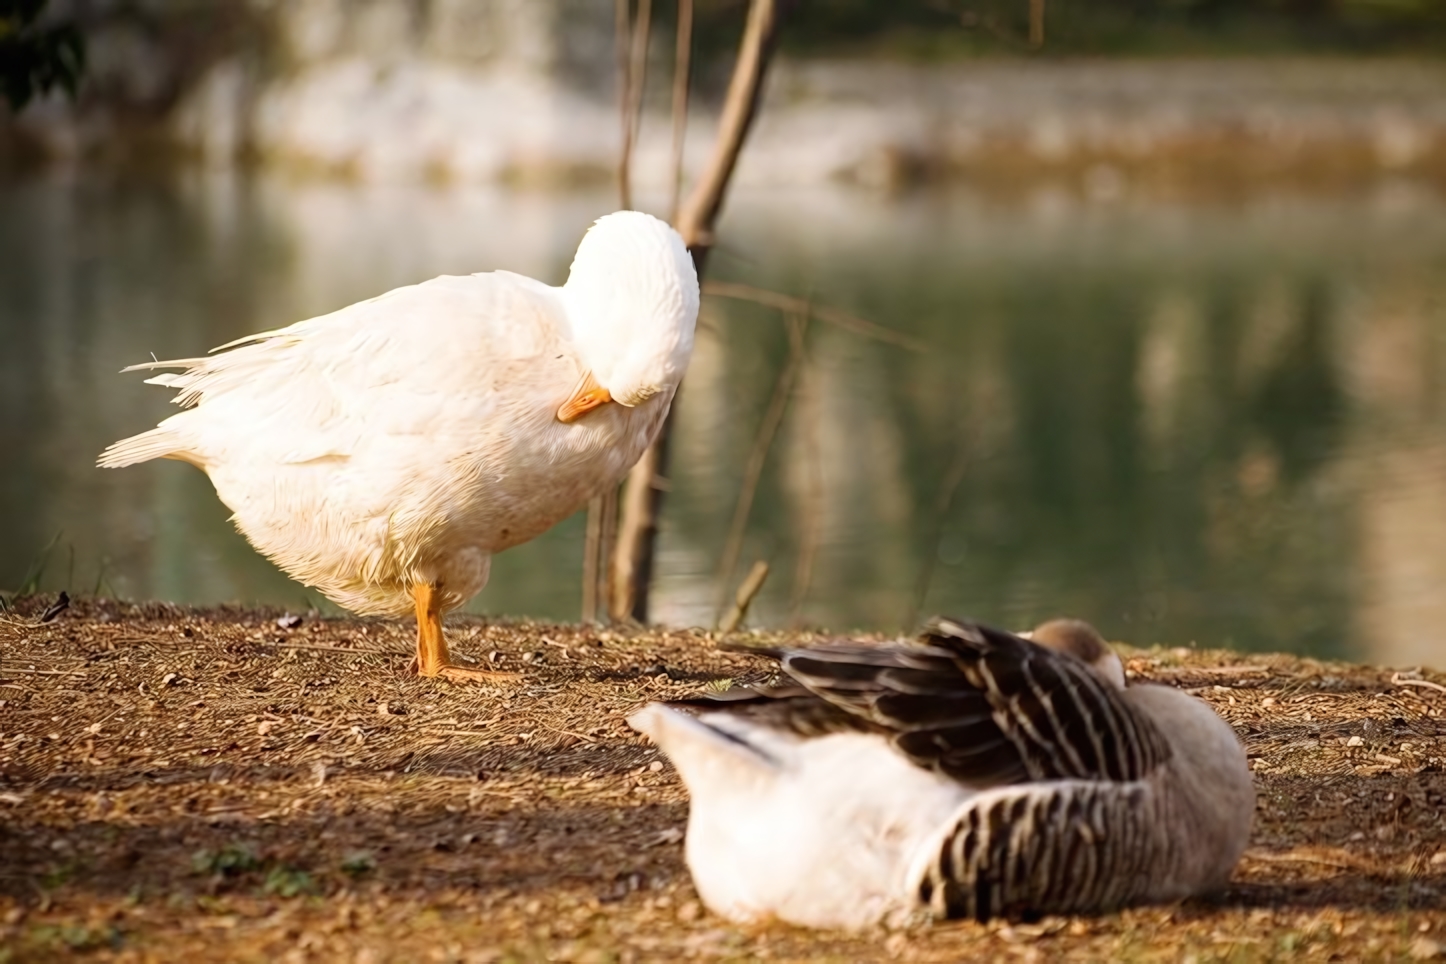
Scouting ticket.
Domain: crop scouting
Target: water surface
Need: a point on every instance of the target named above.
(1212, 421)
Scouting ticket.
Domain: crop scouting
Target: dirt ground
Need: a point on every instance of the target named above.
(224, 785)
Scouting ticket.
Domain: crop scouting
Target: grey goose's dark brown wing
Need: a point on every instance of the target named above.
(793, 709)
(980, 705)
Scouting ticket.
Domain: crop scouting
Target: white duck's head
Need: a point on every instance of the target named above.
(632, 301)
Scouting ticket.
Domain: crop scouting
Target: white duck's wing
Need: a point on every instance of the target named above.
(979, 705)
(418, 361)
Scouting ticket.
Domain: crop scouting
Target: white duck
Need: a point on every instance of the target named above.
(383, 453)
(978, 774)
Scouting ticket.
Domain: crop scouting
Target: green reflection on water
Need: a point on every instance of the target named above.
(1187, 421)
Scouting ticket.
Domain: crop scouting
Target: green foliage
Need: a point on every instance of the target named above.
(285, 881)
(235, 860)
(358, 862)
(931, 28)
(229, 861)
(74, 937)
(58, 876)
(35, 57)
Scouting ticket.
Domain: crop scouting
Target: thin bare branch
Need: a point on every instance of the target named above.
(942, 504)
(633, 559)
(632, 36)
(602, 519)
(638, 69)
(790, 303)
(812, 516)
(591, 544)
(743, 598)
(758, 455)
(633, 553)
(682, 75)
(1036, 23)
(622, 32)
(607, 534)
(700, 212)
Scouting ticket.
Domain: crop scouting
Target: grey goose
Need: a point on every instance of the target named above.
(973, 774)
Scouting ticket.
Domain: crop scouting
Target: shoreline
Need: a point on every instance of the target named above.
(877, 124)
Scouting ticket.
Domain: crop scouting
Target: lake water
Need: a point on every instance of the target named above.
(1214, 421)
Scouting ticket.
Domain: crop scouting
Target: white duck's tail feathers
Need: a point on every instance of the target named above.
(158, 443)
(184, 382)
(260, 336)
(177, 380)
(172, 363)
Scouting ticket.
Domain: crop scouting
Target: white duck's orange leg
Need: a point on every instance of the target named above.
(432, 658)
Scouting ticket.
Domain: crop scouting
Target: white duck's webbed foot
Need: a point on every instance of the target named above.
(464, 675)
(432, 658)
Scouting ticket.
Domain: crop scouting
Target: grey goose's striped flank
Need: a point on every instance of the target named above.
(974, 773)
(1037, 850)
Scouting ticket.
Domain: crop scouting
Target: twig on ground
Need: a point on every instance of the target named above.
(41, 672)
(322, 648)
(1329, 858)
(1399, 680)
(1183, 671)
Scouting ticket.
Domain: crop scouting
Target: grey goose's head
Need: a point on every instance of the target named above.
(1082, 641)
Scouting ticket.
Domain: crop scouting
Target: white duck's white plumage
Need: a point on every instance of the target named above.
(402, 441)
(975, 775)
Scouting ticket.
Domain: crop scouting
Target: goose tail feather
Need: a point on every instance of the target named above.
(704, 755)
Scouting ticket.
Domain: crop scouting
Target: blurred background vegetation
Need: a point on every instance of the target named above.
(36, 57)
(963, 28)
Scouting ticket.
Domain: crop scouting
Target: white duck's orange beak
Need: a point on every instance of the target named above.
(587, 396)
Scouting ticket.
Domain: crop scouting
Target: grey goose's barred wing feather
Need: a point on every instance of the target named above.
(979, 705)
(1059, 848)
(1065, 719)
(908, 694)
(791, 709)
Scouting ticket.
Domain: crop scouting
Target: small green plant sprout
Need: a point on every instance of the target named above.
(230, 861)
(358, 862)
(287, 881)
(30, 585)
(75, 937)
(58, 875)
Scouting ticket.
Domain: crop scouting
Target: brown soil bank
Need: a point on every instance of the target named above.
(211, 785)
